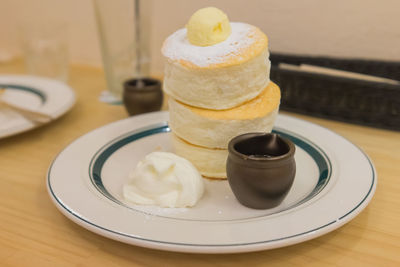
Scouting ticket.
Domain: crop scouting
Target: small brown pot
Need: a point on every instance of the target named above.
(143, 99)
(260, 169)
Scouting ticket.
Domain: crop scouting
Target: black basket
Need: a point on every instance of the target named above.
(375, 104)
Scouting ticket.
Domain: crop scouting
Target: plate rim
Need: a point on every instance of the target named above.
(222, 248)
(43, 93)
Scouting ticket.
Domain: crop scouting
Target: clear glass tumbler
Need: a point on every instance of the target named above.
(124, 30)
(45, 48)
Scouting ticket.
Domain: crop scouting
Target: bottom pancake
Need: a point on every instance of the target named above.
(211, 163)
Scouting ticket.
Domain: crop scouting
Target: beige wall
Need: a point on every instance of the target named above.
(349, 28)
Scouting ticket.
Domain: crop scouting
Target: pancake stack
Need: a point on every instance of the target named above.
(217, 92)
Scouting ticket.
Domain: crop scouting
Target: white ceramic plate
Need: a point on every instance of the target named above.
(38, 94)
(335, 180)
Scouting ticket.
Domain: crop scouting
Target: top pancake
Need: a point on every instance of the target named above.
(244, 43)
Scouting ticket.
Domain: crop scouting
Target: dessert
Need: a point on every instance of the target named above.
(217, 79)
(210, 162)
(220, 76)
(215, 128)
(166, 180)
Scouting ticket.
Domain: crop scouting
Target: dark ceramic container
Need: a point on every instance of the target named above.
(260, 169)
(142, 99)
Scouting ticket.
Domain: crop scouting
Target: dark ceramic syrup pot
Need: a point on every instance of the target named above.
(260, 169)
(142, 96)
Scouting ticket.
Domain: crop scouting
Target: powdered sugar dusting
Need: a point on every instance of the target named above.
(178, 47)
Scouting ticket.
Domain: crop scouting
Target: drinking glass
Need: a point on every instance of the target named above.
(45, 48)
(124, 30)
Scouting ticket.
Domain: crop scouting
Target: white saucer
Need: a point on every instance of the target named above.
(35, 93)
(335, 180)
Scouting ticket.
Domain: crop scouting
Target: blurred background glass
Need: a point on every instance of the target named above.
(45, 48)
(124, 31)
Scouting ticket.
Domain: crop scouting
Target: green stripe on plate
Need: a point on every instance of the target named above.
(32, 90)
(100, 157)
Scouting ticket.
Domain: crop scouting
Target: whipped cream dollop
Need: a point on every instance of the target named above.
(166, 180)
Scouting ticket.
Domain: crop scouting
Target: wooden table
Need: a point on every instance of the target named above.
(34, 233)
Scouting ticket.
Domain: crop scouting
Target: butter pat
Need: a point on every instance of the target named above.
(166, 180)
(208, 26)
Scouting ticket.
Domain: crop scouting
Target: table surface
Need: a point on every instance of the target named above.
(34, 233)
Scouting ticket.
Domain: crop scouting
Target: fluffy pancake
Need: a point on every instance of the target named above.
(209, 162)
(219, 76)
(215, 128)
